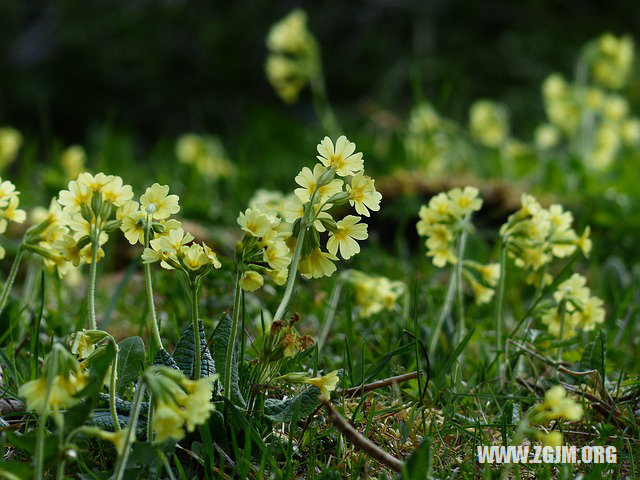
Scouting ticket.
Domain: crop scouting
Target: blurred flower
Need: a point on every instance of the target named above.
(489, 123)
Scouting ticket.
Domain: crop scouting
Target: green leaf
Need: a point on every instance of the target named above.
(383, 362)
(185, 353)
(419, 463)
(16, 469)
(595, 353)
(446, 367)
(130, 361)
(164, 358)
(100, 360)
(122, 406)
(284, 410)
(220, 344)
(102, 419)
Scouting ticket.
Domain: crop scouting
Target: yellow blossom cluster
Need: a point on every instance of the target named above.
(338, 179)
(428, 141)
(9, 211)
(180, 404)
(575, 308)
(442, 220)
(293, 55)
(10, 143)
(611, 59)
(66, 381)
(489, 123)
(589, 114)
(534, 235)
(483, 279)
(374, 294)
(205, 153)
(73, 160)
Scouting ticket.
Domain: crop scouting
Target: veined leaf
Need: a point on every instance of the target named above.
(220, 345)
(130, 361)
(164, 358)
(284, 410)
(185, 353)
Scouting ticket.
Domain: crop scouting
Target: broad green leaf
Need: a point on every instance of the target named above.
(164, 358)
(122, 406)
(220, 345)
(130, 361)
(185, 353)
(16, 469)
(595, 354)
(284, 410)
(419, 464)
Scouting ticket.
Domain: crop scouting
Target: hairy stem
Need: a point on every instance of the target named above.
(6, 289)
(293, 270)
(91, 291)
(196, 329)
(331, 312)
(458, 269)
(112, 389)
(155, 328)
(232, 338)
(444, 311)
(121, 464)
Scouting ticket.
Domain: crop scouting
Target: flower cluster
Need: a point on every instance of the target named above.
(205, 153)
(534, 235)
(73, 160)
(263, 249)
(62, 376)
(611, 60)
(483, 279)
(10, 143)
(590, 114)
(443, 220)
(489, 123)
(9, 211)
(180, 404)
(293, 55)
(374, 294)
(338, 179)
(575, 308)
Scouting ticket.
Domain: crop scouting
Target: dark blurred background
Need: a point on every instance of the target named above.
(162, 67)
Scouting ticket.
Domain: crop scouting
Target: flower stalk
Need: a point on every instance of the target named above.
(6, 289)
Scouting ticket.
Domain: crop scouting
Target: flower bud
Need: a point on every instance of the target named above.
(106, 210)
(326, 177)
(96, 202)
(85, 211)
(157, 227)
(111, 226)
(83, 242)
(329, 224)
(339, 198)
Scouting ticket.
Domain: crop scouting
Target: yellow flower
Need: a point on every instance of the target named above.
(363, 195)
(72, 161)
(12, 213)
(326, 384)
(481, 293)
(591, 314)
(442, 255)
(551, 439)
(167, 423)
(279, 277)
(572, 288)
(584, 242)
(557, 405)
(341, 157)
(251, 281)
(118, 438)
(286, 75)
(133, 224)
(73, 198)
(254, 222)
(61, 395)
(173, 241)
(10, 143)
(308, 181)
(439, 236)
(344, 237)
(277, 255)
(82, 345)
(117, 193)
(157, 202)
(290, 34)
(289, 344)
(211, 256)
(94, 184)
(546, 136)
(489, 123)
(465, 201)
(194, 256)
(197, 403)
(317, 264)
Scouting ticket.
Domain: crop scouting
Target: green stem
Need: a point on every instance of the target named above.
(91, 294)
(500, 296)
(444, 311)
(44, 413)
(112, 390)
(155, 329)
(458, 269)
(196, 329)
(232, 338)
(331, 311)
(293, 270)
(150, 419)
(121, 464)
(6, 289)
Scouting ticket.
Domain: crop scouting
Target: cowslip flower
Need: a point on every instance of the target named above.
(157, 202)
(167, 422)
(254, 222)
(363, 195)
(344, 236)
(326, 384)
(317, 264)
(556, 406)
(251, 281)
(340, 157)
(308, 182)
